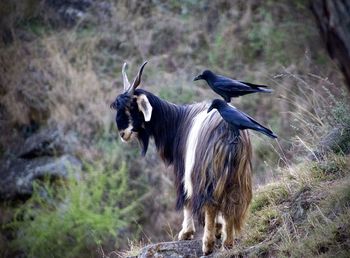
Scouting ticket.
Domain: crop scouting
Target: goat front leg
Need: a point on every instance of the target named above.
(188, 230)
(209, 230)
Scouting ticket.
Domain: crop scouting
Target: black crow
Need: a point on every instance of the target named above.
(237, 119)
(229, 88)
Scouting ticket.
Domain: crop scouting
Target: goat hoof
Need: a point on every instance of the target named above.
(228, 245)
(186, 235)
(208, 247)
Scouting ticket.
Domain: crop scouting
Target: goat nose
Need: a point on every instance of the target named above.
(122, 134)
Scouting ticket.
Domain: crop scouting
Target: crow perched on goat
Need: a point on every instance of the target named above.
(237, 119)
(229, 88)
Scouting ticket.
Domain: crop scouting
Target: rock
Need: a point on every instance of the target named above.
(70, 12)
(176, 249)
(46, 154)
(18, 175)
(193, 249)
(48, 142)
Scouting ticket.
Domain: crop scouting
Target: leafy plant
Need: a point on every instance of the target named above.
(73, 219)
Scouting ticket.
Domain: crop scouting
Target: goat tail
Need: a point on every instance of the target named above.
(243, 178)
(221, 173)
(233, 189)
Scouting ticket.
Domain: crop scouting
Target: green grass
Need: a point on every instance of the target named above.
(332, 167)
(271, 194)
(304, 215)
(323, 238)
(326, 230)
(261, 223)
(339, 198)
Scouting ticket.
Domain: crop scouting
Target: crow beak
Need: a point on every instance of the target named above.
(210, 109)
(199, 77)
(112, 106)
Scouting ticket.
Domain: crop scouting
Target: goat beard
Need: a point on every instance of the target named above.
(143, 138)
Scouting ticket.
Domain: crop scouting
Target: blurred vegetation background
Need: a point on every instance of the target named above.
(60, 67)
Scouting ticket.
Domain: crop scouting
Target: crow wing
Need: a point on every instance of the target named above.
(227, 84)
(241, 119)
(254, 85)
(236, 117)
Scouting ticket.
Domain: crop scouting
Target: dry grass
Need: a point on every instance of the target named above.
(133, 250)
(45, 85)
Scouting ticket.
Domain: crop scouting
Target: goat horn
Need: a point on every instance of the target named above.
(137, 79)
(125, 78)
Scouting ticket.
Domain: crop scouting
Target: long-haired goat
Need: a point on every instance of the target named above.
(212, 176)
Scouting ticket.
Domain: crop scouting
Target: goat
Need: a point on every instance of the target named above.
(212, 176)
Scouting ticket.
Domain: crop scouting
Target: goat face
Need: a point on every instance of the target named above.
(132, 114)
(123, 118)
(133, 111)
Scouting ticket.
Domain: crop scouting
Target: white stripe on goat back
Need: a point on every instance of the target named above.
(191, 145)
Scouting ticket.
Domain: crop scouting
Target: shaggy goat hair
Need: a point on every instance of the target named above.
(212, 175)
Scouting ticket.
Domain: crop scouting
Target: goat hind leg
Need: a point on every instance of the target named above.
(209, 230)
(188, 230)
(228, 229)
(219, 221)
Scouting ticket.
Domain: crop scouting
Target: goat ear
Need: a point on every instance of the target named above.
(144, 106)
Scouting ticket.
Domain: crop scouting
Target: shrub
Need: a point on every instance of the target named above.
(74, 219)
(340, 112)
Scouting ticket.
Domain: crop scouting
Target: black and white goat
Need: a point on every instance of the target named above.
(212, 175)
